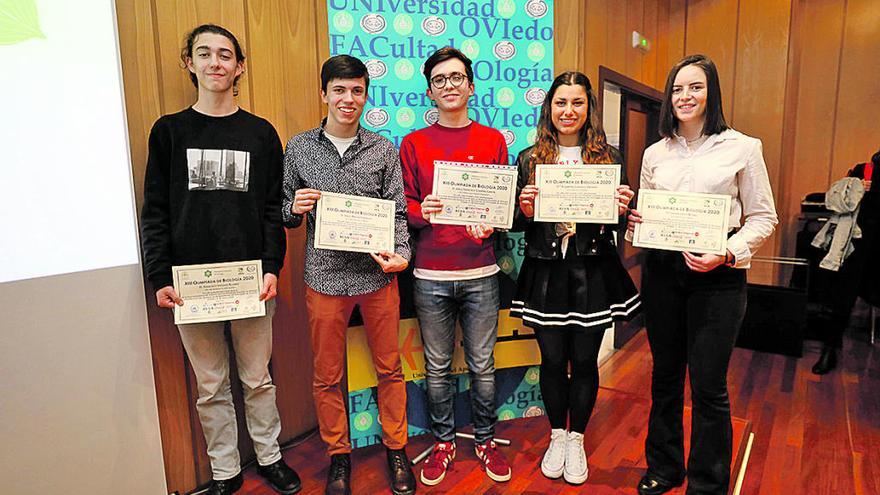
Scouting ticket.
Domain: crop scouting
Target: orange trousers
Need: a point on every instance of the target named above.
(328, 323)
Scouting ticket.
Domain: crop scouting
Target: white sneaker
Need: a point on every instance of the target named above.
(553, 463)
(576, 470)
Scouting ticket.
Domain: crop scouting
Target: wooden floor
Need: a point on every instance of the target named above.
(813, 435)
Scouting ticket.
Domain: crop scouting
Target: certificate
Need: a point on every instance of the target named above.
(218, 291)
(679, 221)
(577, 193)
(474, 193)
(354, 223)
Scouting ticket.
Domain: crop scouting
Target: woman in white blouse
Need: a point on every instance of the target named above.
(694, 303)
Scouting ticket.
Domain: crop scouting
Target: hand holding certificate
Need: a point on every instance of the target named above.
(354, 223)
(474, 193)
(577, 193)
(679, 221)
(218, 291)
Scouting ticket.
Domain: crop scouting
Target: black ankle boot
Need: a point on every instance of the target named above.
(400, 471)
(339, 475)
(827, 361)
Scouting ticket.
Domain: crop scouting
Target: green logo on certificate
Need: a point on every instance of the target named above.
(207, 273)
(464, 176)
(567, 174)
(672, 201)
(348, 204)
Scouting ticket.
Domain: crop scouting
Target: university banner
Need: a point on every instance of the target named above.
(511, 45)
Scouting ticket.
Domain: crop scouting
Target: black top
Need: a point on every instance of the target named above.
(541, 239)
(212, 193)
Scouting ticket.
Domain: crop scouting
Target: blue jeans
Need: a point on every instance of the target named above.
(474, 303)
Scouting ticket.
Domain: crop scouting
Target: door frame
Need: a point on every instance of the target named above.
(624, 331)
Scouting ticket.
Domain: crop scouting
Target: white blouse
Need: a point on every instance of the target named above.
(727, 163)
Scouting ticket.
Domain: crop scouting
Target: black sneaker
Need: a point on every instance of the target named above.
(282, 478)
(226, 487)
(339, 475)
(400, 471)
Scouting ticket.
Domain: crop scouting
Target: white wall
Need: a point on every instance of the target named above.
(78, 408)
(77, 399)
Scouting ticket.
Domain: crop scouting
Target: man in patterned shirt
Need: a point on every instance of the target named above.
(340, 156)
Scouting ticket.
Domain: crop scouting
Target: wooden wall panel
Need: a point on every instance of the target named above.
(619, 40)
(173, 19)
(675, 39)
(651, 29)
(568, 49)
(711, 31)
(822, 27)
(596, 39)
(759, 91)
(289, 98)
(857, 123)
(635, 21)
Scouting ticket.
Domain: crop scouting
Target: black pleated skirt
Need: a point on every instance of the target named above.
(579, 293)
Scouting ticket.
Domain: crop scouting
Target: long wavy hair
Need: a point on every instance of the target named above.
(591, 137)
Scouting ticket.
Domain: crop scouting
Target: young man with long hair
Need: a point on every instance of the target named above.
(195, 212)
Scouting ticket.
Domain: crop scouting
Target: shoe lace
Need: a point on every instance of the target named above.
(438, 455)
(491, 454)
(399, 460)
(338, 467)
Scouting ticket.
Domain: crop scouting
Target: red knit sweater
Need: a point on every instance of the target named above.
(446, 247)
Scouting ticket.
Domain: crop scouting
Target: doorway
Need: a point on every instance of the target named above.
(630, 117)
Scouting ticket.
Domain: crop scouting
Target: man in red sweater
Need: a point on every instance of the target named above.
(455, 269)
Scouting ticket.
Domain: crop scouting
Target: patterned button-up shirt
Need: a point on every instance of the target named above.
(369, 167)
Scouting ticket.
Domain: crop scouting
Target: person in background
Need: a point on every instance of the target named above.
(859, 275)
(694, 303)
(190, 222)
(572, 284)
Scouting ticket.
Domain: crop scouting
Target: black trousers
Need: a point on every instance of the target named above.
(854, 277)
(692, 321)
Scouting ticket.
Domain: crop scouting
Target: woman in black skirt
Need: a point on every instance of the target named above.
(572, 285)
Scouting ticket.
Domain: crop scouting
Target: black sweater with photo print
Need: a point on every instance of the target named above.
(212, 193)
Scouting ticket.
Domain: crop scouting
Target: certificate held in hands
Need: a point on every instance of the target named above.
(218, 291)
(577, 193)
(679, 221)
(354, 223)
(474, 193)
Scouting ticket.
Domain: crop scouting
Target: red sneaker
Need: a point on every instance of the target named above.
(438, 461)
(493, 461)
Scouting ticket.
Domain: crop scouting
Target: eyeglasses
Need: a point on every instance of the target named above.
(456, 78)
